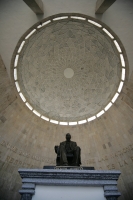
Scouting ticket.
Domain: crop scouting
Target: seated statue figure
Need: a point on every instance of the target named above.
(68, 149)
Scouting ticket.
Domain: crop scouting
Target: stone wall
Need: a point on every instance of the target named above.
(27, 141)
(6, 89)
(16, 18)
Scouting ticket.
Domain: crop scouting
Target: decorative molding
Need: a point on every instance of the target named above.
(28, 186)
(67, 177)
(69, 182)
(70, 174)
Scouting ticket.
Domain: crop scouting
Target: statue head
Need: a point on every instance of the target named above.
(68, 137)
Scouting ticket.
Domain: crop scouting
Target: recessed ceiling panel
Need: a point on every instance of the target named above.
(68, 69)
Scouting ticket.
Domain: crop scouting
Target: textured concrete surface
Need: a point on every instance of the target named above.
(78, 45)
(28, 142)
(103, 5)
(35, 5)
(16, 20)
(7, 93)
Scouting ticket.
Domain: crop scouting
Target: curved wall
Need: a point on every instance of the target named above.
(28, 142)
(16, 18)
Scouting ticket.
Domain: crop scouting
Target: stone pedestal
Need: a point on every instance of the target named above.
(68, 179)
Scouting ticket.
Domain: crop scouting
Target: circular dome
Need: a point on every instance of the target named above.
(68, 68)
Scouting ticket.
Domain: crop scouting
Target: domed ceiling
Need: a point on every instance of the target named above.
(69, 69)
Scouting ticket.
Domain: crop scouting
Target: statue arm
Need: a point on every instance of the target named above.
(57, 148)
(62, 144)
(74, 144)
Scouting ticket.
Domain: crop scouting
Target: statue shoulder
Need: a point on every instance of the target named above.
(63, 143)
(74, 143)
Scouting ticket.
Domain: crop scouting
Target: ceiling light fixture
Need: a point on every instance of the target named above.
(82, 121)
(80, 18)
(72, 123)
(120, 86)
(45, 118)
(22, 96)
(36, 113)
(29, 106)
(54, 121)
(63, 123)
(17, 86)
(15, 74)
(123, 74)
(45, 23)
(95, 23)
(100, 113)
(59, 18)
(117, 46)
(31, 33)
(21, 46)
(91, 118)
(115, 97)
(108, 106)
(122, 60)
(16, 61)
(108, 33)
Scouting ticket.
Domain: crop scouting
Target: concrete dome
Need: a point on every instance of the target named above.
(27, 141)
(69, 69)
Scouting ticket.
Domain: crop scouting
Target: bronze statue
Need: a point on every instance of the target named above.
(68, 153)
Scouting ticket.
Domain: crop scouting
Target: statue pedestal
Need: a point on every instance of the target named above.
(69, 167)
(63, 183)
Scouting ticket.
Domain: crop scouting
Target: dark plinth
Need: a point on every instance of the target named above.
(69, 167)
